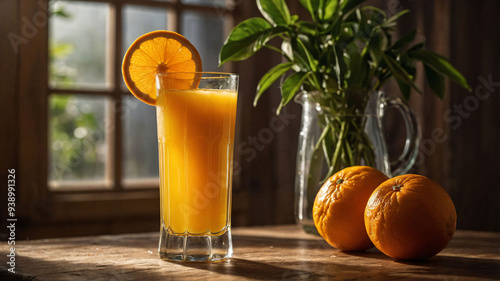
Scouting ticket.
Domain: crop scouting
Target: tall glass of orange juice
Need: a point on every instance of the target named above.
(196, 114)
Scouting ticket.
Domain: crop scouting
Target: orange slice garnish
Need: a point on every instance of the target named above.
(159, 51)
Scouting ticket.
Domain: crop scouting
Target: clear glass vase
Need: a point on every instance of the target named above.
(332, 139)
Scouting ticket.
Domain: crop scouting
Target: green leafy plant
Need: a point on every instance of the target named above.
(344, 52)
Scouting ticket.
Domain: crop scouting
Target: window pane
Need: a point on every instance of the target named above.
(211, 3)
(138, 20)
(77, 137)
(78, 44)
(206, 34)
(140, 141)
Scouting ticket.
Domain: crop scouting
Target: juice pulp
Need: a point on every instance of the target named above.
(195, 138)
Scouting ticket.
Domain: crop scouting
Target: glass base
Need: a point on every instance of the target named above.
(188, 247)
(311, 229)
(308, 226)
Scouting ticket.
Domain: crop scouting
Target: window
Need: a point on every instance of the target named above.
(88, 99)
(100, 148)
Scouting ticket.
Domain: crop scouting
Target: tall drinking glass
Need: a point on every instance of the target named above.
(196, 115)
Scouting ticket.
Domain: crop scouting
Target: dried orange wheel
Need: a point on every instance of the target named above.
(158, 52)
(410, 217)
(340, 205)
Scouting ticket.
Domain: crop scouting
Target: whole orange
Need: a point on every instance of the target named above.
(410, 217)
(340, 205)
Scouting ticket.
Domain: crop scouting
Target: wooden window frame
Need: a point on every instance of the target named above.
(45, 212)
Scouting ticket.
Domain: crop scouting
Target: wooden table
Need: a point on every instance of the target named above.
(260, 253)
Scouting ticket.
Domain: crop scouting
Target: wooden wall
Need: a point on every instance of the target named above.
(8, 101)
(475, 142)
(464, 159)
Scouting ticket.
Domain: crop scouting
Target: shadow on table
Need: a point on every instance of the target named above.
(319, 262)
(437, 268)
(460, 266)
(265, 271)
(7, 276)
(440, 265)
(233, 269)
(241, 241)
(248, 269)
(445, 264)
(135, 240)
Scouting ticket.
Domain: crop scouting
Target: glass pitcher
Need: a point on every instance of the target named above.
(351, 139)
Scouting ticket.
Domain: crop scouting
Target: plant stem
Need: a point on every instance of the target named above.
(335, 160)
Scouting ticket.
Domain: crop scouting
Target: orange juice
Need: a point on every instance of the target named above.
(195, 137)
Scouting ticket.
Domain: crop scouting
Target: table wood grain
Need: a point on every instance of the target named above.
(260, 253)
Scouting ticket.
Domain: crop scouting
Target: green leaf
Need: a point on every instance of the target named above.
(358, 70)
(340, 66)
(441, 65)
(290, 87)
(406, 39)
(348, 5)
(399, 72)
(268, 79)
(286, 49)
(245, 39)
(274, 11)
(307, 28)
(390, 22)
(417, 46)
(436, 81)
(404, 88)
(408, 64)
(347, 33)
(335, 28)
(330, 9)
(364, 29)
(312, 6)
(376, 15)
(307, 59)
(376, 46)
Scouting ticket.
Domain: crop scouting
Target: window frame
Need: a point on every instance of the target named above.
(88, 209)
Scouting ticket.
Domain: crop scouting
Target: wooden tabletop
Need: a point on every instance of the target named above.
(260, 253)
